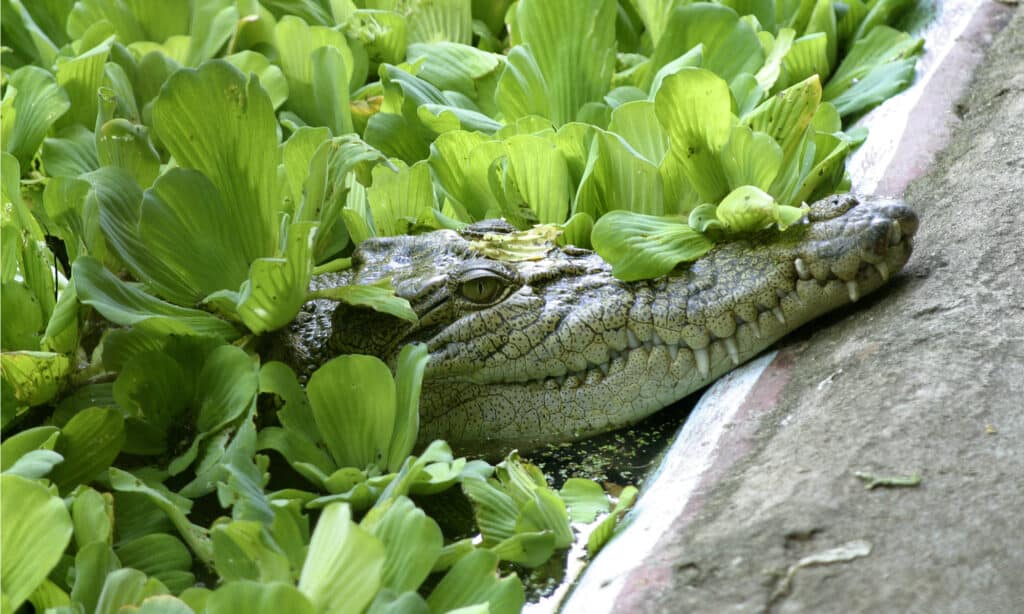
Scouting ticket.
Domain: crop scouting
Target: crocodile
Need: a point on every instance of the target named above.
(524, 353)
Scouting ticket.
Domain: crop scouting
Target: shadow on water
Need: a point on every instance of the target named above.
(618, 458)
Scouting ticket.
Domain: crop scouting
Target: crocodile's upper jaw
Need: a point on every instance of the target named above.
(563, 349)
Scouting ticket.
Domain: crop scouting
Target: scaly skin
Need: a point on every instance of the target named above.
(564, 350)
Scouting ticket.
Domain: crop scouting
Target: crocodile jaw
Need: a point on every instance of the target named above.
(571, 351)
(648, 359)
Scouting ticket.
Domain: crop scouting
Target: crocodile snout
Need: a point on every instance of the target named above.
(857, 243)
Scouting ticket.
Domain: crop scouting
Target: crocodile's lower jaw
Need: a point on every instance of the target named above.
(635, 383)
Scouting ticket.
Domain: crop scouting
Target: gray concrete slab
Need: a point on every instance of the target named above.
(926, 378)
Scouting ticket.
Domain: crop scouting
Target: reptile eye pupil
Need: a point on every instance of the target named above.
(482, 289)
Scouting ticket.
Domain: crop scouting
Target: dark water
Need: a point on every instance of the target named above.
(621, 458)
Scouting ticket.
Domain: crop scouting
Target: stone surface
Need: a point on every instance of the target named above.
(926, 378)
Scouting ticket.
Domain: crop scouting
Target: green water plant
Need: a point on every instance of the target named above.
(174, 174)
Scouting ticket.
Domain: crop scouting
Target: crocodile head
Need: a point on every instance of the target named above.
(556, 348)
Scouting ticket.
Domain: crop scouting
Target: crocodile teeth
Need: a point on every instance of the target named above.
(673, 351)
(781, 317)
(703, 361)
(801, 269)
(603, 367)
(755, 328)
(895, 234)
(883, 270)
(633, 341)
(734, 352)
(656, 340)
(854, 290)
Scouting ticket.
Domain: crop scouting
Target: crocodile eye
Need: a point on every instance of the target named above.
(482, 287)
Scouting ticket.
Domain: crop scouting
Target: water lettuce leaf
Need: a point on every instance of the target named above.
(474, 581)
(637, 123)
(585, 499)
(89, 443)
(606, 529)
(221, 123)
(92, 515)
(122, 587)
(520, 518)
(259, 598)
(344, 566)
(80, 77)
(785, 116)
(123, 144)
(443, 20)
(383, 33)
(353, 401)
(535, 178)
(173, 505)
(32, 103)
(159, 555)
(878, 66)
(693, 107)
(398, 199)
(494, 509)
(456, 67)
(29, 440)
(212, 24)
(242, 550)
(296, 155)
(27, 40)
(276, 288)
(655, 16)
(36, 529)
(748, 208)
(751, 158)
(403, 528)
(271, 76)
(776, 49)
(412, 362)
(618, 178)
(127, 305)
(70, 153)
(461, 162)
(339, 167)
(881, 12)
(379, 297)
(645, 246)
(184, 207)
(166, 604)
(729, 45)
(34, 377)
(93, 562)
(545, 512)
(566, 59)
(35, 464)
(808, 56)
(823, 20)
